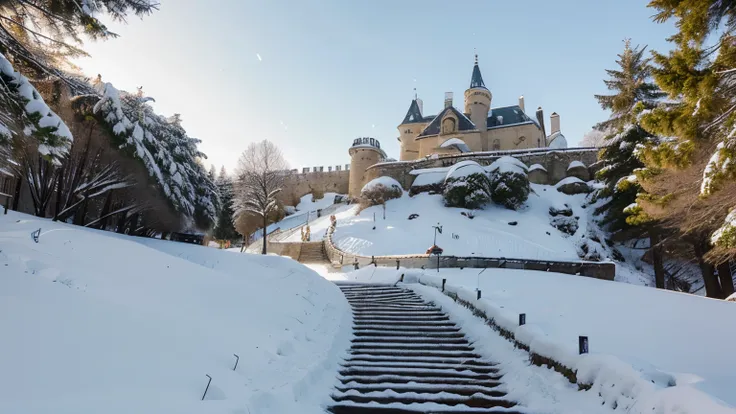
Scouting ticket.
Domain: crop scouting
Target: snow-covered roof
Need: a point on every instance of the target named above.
(463, 123)
(556, 140)
(457, 143)
(575, 164)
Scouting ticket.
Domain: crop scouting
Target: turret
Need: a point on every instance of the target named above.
(478, 99)
(363, 153)
(412, 125)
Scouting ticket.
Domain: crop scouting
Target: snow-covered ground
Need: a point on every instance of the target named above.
(97, 322)
(307, 204)
(641, 339)
(488, 234)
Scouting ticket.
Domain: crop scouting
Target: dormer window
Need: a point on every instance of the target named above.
(448, 125)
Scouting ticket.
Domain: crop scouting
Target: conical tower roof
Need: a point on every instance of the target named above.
(413, 114)
(476, 80)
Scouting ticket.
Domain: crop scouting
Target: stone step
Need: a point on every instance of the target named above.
(490, 389)
(418, 359)
(410, 353)
(408, 334)
(395, 328)
(488, 369)
(433, 408)
(414, 347)
(417, 372)
(475, 401)
(402, 318)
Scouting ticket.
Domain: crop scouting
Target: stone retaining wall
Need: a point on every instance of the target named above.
(597, 270)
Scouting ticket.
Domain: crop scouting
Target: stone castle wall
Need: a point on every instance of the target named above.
(300, 184)
(554, 161)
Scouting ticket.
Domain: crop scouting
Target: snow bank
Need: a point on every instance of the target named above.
(632, 364)
(537, 167)
(99, 322)
(569, 180)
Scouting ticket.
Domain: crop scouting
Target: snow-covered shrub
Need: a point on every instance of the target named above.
(466, 186)
(378, 191)
(435, 188)
(468, 191)
(565, 224)
(289, 210)
(509, 182)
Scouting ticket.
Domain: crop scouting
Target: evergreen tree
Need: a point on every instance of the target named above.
(684, 171)
(225, 229)
(38, 34)
(633, 94)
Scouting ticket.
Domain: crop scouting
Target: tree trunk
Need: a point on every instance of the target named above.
(724, 274)
(265, 221)
(16, 195)
(105, 211)
(657, 259)
(712, 285)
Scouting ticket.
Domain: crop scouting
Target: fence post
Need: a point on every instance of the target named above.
(443, 284)
(237, 359)
(397, 264)
(478, 295)
(402, 278)
(208, 386)
(522, 319)
(583, 345)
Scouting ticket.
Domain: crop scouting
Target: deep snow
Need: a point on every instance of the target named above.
(488, 234)
(97, 322)
(641, 339)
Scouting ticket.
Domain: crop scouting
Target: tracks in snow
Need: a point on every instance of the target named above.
(408, 357)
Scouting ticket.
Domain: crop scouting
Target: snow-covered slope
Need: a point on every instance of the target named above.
(96, 322)
(488, 234)
(646, 345)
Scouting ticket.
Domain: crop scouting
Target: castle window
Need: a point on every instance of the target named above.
(448, 125)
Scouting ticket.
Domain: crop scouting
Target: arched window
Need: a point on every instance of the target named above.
(448, 125)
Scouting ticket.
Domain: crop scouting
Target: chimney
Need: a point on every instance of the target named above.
(521, 103)
(554, 121)
(540, 119)
(448, 99)
(420, 104)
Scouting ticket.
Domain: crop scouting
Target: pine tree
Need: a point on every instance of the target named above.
(225, 229)
(634, 94)
(684, 171)
(38, 34)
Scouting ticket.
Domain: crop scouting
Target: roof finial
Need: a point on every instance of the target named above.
(415, 92)
(475, 50)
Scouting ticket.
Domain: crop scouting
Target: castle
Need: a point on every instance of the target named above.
(479, 131)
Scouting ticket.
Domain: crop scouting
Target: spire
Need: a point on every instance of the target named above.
(476, 80)
(414, 114)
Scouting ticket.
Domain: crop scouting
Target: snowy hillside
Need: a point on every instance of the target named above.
(645, 344)
(97, 322)
(494, 232)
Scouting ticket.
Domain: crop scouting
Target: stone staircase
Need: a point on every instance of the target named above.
(408, 357)
(313, 252)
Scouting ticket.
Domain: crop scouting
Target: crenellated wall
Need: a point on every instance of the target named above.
(298, 185)
(555, 162)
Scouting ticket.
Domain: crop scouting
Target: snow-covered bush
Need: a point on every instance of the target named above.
(509, 182)
(567, 225)
(467, 191)
(466, 185)
(379, 190)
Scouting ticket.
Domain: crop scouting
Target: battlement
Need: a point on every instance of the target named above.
(366, 141)
(322, 169)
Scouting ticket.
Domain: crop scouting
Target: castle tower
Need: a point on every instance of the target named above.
(363, 153)
(478, 103)
(412, 125)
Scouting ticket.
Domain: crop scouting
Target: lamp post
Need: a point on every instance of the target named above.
(437, 229)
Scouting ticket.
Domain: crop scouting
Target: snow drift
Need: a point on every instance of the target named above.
(97, 322)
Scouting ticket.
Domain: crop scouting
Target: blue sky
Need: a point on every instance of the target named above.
(312, 76)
